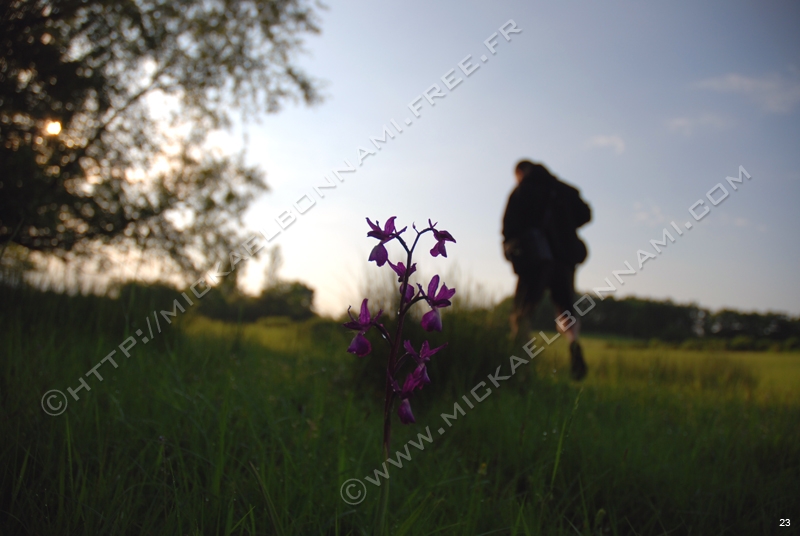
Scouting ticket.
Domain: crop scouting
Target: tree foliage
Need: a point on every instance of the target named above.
(117, 172)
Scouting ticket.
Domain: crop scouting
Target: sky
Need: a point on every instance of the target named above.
(645, 107)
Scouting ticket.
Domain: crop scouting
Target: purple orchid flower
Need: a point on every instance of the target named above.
(360, 346)
(404, 412)
(385, 234)
(401, 271)
(414, 381)
(379, 253)
(406, 290)
(441, 237)
(436, 298)
(432, 320)
(425, 351)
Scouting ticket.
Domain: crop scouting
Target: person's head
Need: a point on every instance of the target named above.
(526, 168)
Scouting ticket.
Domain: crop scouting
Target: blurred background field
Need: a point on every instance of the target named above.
(766, 376)
(221, 427)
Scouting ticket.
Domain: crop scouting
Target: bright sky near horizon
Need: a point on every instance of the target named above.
(644, 107)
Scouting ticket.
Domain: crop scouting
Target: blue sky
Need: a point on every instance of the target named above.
(643, 107)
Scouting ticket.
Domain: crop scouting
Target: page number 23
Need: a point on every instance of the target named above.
(785, 523)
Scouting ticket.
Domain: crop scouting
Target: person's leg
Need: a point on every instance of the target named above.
(568, 328)
(530, 290)
(562, 290)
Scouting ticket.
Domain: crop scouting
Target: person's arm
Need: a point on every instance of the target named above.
(512, 219)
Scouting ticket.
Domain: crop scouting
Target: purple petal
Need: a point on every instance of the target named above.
(388, 228)
(376, 231)
(409, 294)
(416, 380)
(412, 382)
(431, 321)
(375, 227)
(360, 346)
(444, 293)
(442, 236)
(399, 269)
(353, 324)
(432, 287)
(422, 372)
(379, 255)
(439, 249)
(409, 348)
(404, 411)
(425, 352)
(363, 317)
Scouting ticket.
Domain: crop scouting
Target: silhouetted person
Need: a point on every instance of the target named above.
(540, 240)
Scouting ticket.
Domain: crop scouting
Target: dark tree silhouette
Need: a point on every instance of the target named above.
(84, 160)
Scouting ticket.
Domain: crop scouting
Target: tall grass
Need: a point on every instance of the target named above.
(216, 428)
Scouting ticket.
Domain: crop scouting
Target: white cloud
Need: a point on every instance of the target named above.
(614, 142)
(687, 125)
(773, 93)
(649, 216)
(730, 221)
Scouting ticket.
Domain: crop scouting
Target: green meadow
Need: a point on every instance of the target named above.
(226, 428)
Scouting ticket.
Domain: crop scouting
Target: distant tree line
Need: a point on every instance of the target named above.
(277, 297)
(291, 299)
(689, 326)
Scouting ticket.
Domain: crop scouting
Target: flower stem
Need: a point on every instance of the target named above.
(380, 519)
(391, 369)
(383, 506)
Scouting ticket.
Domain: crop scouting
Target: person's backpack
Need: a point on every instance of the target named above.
(566, 213)
(533, 247)
(530, 249)
(556, 237)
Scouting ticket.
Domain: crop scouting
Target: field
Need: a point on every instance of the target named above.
(215, 428)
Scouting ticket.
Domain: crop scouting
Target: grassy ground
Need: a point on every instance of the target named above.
(768, 377)
(215, 428)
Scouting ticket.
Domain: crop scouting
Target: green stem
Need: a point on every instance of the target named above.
(383, 505)
(380, 519)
